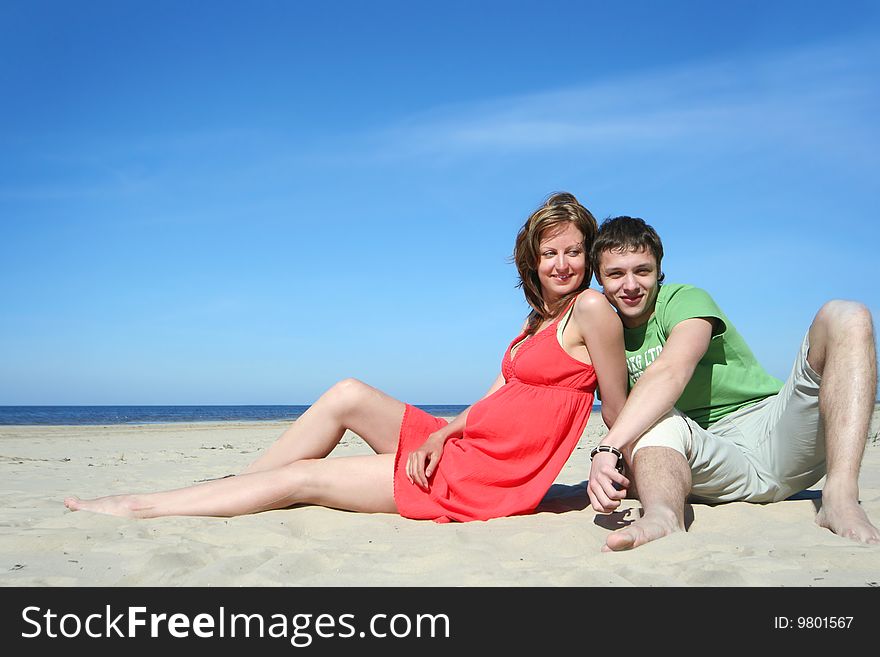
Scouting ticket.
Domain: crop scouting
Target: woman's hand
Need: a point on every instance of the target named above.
(604, 495)
(421, 463)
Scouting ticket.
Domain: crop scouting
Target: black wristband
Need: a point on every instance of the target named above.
(611, 450)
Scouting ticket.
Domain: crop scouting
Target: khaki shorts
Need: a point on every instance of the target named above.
(762, 453)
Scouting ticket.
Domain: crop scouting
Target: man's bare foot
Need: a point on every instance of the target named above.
(845, 517)
(114, 505)
(648, 528)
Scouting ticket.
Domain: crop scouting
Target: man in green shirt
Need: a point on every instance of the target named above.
(704, 419)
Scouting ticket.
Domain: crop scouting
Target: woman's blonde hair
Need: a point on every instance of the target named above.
(559, 209)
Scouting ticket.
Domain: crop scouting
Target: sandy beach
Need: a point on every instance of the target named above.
(44, 544)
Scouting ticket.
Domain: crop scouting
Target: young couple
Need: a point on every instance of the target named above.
(701, 418)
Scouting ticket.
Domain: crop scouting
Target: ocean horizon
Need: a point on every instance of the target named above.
(156, 414)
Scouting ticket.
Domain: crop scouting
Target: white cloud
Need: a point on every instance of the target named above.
(818, 95)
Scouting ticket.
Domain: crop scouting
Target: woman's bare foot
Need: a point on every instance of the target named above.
(115, 505)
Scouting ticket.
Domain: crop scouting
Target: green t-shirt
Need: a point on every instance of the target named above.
(727, 378)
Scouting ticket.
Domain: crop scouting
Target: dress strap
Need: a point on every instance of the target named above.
(563, 321)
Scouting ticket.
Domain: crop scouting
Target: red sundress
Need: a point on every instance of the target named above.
(515, 441)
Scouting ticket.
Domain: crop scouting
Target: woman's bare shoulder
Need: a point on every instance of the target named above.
(592, 302)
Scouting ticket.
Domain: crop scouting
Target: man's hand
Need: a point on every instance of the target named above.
(604, 495)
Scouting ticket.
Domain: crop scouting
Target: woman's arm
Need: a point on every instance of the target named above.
(602, 333)
(421, 463)
(456, 426)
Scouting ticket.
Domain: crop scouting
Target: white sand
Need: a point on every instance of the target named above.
(44, 544)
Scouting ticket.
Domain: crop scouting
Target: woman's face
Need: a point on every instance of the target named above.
(562, 261)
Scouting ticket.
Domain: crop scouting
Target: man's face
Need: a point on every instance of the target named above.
(629, 282)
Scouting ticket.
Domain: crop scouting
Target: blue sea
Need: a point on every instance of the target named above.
(87, 415)
(100, 415)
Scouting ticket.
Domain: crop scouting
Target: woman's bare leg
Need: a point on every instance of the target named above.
(349, 404)
(354, 483)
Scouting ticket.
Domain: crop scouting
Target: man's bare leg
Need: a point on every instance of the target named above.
(842, 351)
(664, 478)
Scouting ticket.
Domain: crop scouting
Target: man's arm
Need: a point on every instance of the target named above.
(653, 395)
(663, 382)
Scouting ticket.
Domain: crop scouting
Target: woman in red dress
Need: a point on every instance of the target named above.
(497, 458)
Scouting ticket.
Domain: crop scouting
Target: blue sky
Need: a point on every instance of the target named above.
(241, 203)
